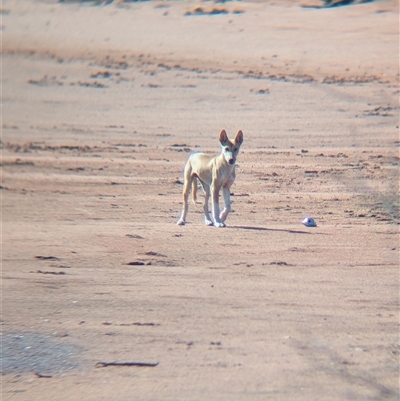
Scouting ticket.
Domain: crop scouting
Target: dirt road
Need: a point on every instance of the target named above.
(101, 108)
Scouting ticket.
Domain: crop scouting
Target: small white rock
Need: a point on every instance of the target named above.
(309, 222)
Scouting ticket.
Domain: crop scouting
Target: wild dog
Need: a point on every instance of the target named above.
(213, 173)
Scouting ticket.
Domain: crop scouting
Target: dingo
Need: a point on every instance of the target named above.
(213, 173)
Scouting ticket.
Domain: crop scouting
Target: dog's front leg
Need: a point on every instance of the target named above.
(215, 205)
(227, 198)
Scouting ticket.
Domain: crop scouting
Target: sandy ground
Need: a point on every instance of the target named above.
(101, 108)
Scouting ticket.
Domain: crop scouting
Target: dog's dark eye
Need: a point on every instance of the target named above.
(227, 149)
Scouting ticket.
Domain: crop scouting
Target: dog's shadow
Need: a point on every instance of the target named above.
(270, 229)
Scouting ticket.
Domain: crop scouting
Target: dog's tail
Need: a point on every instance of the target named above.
(194, 189)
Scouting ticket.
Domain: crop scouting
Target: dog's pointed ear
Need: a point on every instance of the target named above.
(223, 138)
(239, 137)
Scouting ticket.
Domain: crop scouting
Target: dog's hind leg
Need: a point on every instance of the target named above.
(186, 189)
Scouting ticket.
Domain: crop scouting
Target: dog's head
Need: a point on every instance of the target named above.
(230, 148)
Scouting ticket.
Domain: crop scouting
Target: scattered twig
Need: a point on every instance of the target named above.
(48, 272)
(41, 376)
(132, 324)
(152, 253)
(46, 257)
(134, 236)
(134, 363)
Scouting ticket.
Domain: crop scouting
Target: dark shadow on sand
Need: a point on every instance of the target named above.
(270, 229)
